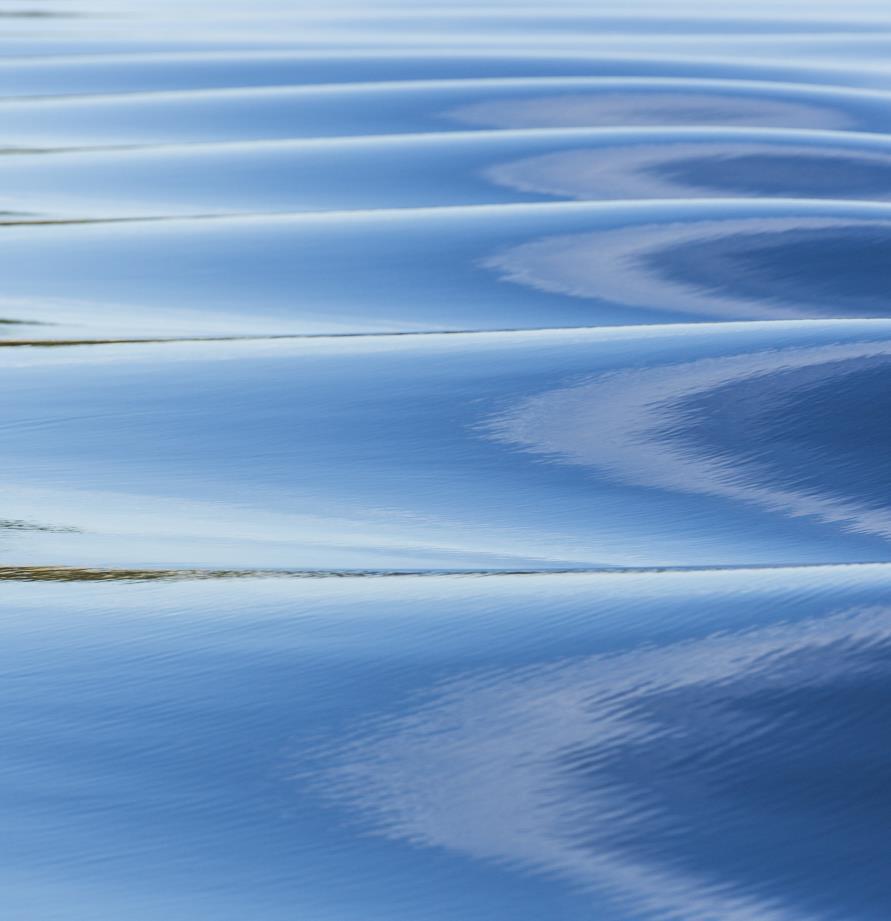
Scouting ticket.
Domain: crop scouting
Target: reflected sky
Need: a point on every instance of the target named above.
(444, 460)
(75, 74)
(709, 427)
(551, 449)
(445, 170)
(763, 268)
(623, 775)
(706, 165)
(423, 747)
(436, 104)
(548, 265)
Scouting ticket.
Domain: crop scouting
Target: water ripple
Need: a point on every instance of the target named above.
(445, 465)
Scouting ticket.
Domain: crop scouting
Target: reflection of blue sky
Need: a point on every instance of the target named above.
(163, 743)
(575, 263)
(630, 425)
(633, 267)
(654, 105)
(700, 168)
(540, 448)
(425, 170)
(420, 376)
(583, 769)
(434, 105)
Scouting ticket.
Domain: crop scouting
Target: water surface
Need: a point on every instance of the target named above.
(444, 464)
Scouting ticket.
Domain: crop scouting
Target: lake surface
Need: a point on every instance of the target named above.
(445, 461)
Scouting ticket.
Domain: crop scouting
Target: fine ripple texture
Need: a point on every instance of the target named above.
(445, 461)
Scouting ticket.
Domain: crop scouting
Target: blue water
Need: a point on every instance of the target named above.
(444, 461)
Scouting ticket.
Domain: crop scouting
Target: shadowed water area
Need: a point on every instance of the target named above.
(444, 465)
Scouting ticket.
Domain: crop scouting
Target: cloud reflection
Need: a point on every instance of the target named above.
(656, 104)
(581, 768)
(702, 169)
(761, 268)
(632, 426)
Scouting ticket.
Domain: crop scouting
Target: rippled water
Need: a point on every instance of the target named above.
(445, 462)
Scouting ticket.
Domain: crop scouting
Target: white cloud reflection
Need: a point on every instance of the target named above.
(650, 102)
(612, 265)
(626, 425)
(480, 768)
(660, 169)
